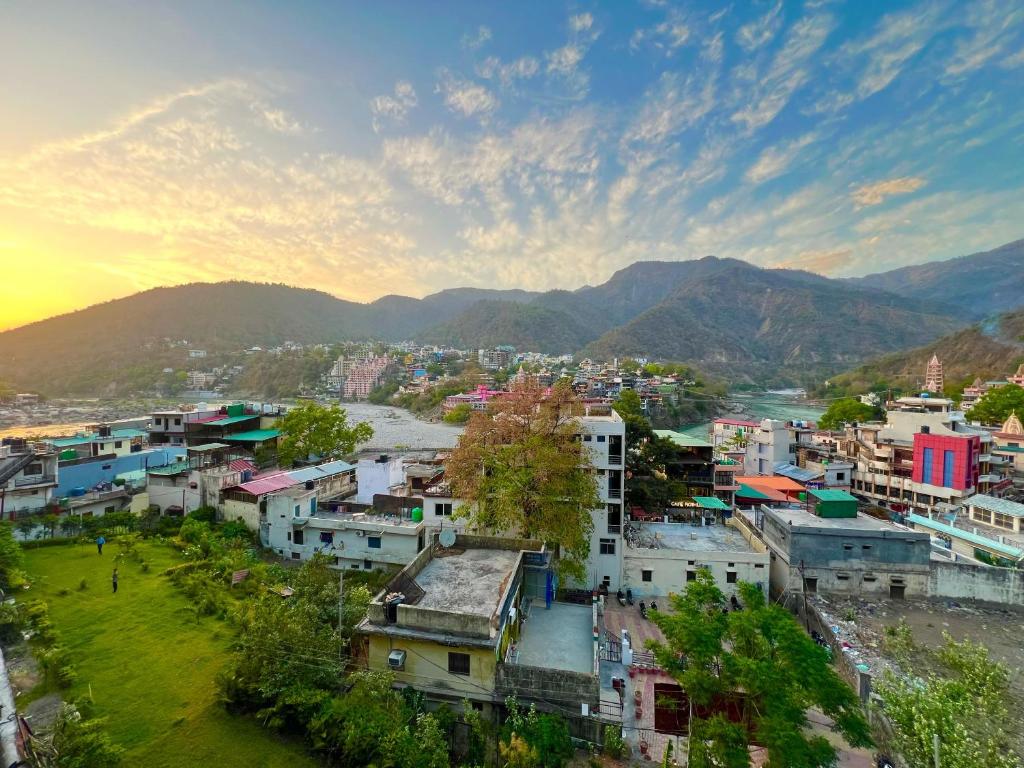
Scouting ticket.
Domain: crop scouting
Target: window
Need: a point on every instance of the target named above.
(870, 577)
(355, 565)
(373, 542)
(117, 443)
(367, 565)
(601, 438)
(607, 546)
(865, 547)
(177, 422)
(691, 575)
(587, 438)
(646, 575)
(443, 510)
(312, 506)
(106, 466)
(35, 468)
(458, 663)
(298, 538)
(1003, 520)
(297, 511)
(730, 577)
(843, 576)
(691, 562)
(848, 547)
(810, 585)
(289, 535)
(296, 556)
(759, 565)
(732, 565)
(326, 537)
(840, 476)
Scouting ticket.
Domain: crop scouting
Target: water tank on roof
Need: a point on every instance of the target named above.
(67, 454)
(78, 491)
(417, 514)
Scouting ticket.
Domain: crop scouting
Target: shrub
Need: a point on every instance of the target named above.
(83, 585)
(613, 743)
(203, 514)
(64, 592)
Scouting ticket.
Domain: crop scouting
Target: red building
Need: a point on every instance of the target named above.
(948, 461)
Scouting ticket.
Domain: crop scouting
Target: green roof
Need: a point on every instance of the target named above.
(67, 442)
(229, 420)
(750, 493)
(253, 435)
(973, 538)
(170, 469)
(827, 494)
(1010, 448)
(683, 441)
(710, 502)
(115, 434)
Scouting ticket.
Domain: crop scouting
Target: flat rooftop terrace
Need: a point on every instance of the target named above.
(470, 581)
(803, 518)
(692, 538)
(557, 638)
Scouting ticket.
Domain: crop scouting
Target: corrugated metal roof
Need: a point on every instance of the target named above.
(829, 494)
(960, 533)
(226, 420)
(747, 492)
(207, 447)
(992, 504)
(263, 485)
(253, 435)
(766, 481)
(170, 469)
(684, 441)
(800, 474)
(319, 471)
(241, 465)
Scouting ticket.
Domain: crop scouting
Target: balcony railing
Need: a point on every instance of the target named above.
(21, 482)
(615, 459)
(614, 528)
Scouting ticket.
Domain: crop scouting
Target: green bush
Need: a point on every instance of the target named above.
(204, 515)
(613, 743)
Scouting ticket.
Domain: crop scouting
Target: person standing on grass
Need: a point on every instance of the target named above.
(114, 581)
(99, 544)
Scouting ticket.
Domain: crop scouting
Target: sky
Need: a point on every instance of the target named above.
(367, 149)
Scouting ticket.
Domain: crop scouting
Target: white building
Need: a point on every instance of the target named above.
(603, 433)
(167, 427)
(28, 477)
(378, 475)
(661, 558)
(296, 528)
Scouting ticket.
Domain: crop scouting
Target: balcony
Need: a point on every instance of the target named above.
(615, 459)
(26, 482)
(614, 493)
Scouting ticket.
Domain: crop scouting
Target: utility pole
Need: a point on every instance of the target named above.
(935, 749)
(341, 607)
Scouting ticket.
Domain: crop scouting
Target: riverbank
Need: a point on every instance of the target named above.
(755, 406)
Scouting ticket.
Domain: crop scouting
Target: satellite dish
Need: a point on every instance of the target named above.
(447, 537)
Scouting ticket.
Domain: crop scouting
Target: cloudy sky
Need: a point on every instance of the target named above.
(403, 147)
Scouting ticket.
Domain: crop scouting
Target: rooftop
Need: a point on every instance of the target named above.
(227, 420)
(560, 637)
(471, 581)
(710, 502)
(692, 538)
(828, 494)
(683, 441)
(253, 435)
(800, 517)
(973, 538)
(170, 469)
(992, 504)
(208, 447)
(798, 474)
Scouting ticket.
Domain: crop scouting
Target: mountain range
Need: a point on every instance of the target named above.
(766, 326)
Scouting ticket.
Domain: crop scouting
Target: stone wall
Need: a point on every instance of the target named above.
(974, 582)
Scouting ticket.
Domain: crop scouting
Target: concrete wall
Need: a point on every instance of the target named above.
(669, 569)
(103, 470)
(171, 491)
(444, 622)
(426, 667)
(972, 582)
(232, 509)
(548, 686)
(828, 545)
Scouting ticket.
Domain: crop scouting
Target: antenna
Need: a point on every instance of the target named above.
(446, 538)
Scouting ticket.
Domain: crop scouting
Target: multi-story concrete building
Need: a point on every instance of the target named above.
(28, 477)
(603, 435)
(364, 376)
(843, 555)
(168, 427)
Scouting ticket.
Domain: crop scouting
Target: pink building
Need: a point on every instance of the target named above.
(477, 400)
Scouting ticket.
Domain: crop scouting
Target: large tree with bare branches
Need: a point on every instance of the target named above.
(521, 469)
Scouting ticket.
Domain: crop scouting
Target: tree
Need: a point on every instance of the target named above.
(638, 428)
(81, 743)
(12, 562)
(847, 411)
(996, 405)
(759, 661)
(520, 468)
(319, 431)
(459, 414)
(967, 707)
(647, 483)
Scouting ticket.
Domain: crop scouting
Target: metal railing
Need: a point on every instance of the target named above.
(34, 480)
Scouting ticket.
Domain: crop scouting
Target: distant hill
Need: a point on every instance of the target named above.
(722, 315)
(981, 284)
(787, 326)
(988, 350)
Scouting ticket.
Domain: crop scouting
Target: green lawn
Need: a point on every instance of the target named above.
(149, 664)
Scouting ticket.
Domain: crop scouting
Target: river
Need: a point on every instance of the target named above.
(784, 405)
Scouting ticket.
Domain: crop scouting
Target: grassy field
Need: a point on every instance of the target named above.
(149, 663)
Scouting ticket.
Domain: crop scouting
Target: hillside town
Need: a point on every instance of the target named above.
(918, 505)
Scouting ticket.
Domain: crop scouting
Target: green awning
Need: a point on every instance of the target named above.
(828, 494)
(711, 502)
(253, 436)
(229, 420)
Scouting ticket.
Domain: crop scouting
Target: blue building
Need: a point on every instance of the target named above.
(88, 473)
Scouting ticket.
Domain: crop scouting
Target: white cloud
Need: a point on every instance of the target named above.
(474, 40)
(669, 107)
(581, 22)
(775, 161)
(669, 35)
(994, 27)
(395, 107)
(787, 73)
(466, 98)
(760, 32)
(874, 194)
(564, 60)
(523, 68)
